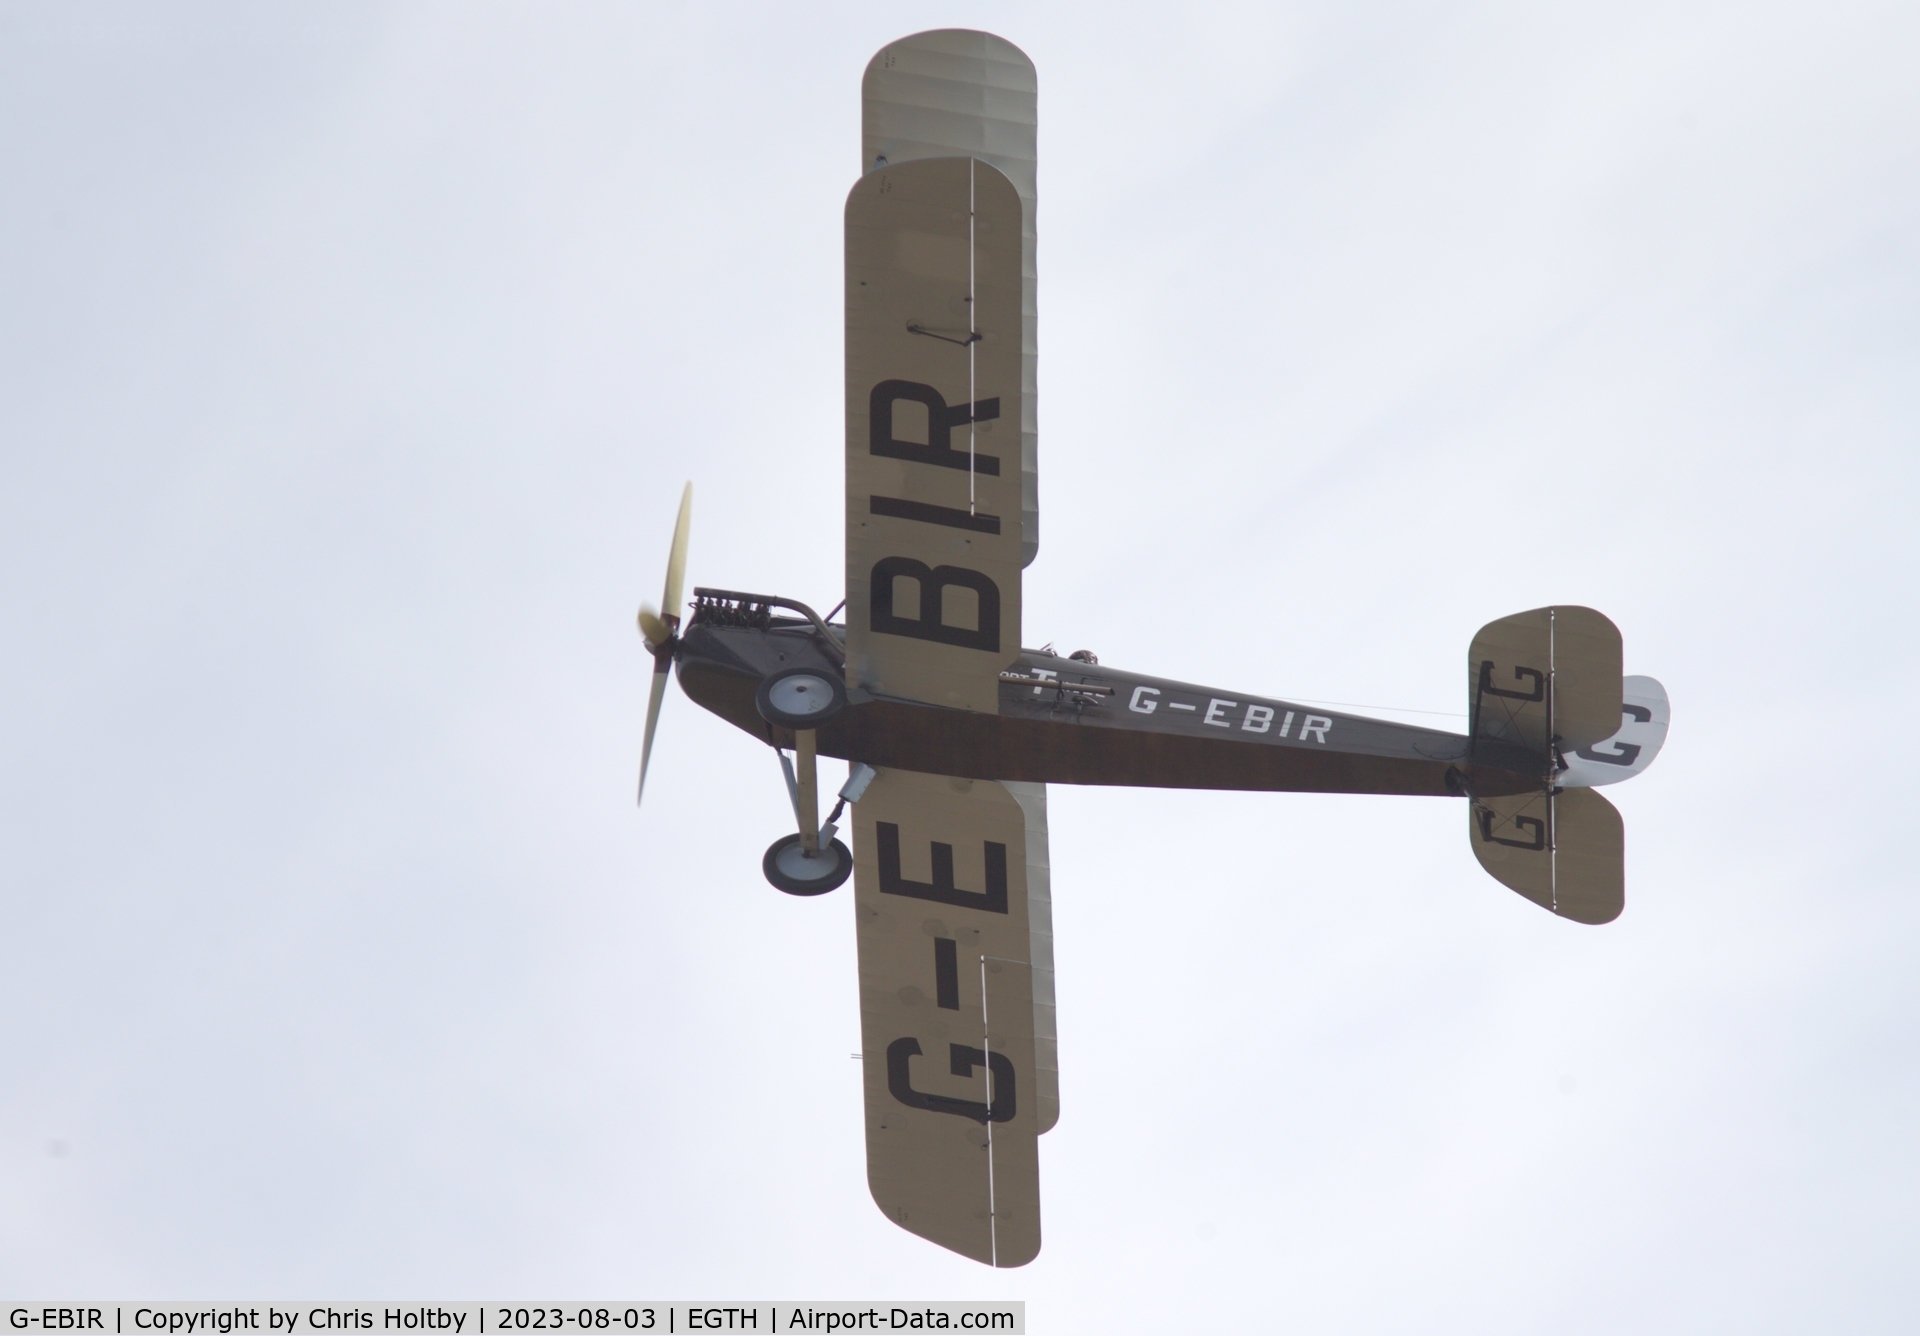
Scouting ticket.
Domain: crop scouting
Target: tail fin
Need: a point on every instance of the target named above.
(1643, 728)
(1564, 849)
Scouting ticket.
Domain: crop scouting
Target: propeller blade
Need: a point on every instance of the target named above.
(677, 561)
(658, 628)
(652, 629)
(653, 717)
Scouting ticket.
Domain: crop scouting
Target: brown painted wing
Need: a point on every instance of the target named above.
(947, 984)
(934, 291)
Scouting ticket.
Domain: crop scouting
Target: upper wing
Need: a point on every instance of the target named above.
(933, 291)
(947, 1013)
(955, 93)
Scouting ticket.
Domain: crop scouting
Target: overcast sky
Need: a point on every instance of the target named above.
(352, 357)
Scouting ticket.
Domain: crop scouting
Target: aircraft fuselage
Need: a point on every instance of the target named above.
(1064, 721)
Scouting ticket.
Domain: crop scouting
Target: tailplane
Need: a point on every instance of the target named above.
(1563, 849)
(1553, 717)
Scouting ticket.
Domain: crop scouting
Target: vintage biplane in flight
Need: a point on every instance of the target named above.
(953, 731)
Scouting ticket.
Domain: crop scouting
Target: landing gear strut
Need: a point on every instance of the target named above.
(811, 861)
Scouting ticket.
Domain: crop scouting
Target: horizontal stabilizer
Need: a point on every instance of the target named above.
(1564, 850)
(1543, 681)
(1643, 729)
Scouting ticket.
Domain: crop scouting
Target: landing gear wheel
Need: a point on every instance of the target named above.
(793, 870)
(800, 698)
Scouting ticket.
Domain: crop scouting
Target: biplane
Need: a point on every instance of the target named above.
(953, 731)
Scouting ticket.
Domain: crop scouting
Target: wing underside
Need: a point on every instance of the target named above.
(959, 93)
(953, 1107)
(934, 552)
(950, 879)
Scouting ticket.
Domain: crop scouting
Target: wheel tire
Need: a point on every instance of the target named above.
(800, 697)
(786, 865)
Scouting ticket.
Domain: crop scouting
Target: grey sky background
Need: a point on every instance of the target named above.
(351, 360)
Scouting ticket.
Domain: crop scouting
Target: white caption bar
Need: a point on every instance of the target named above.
(489, 1319)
